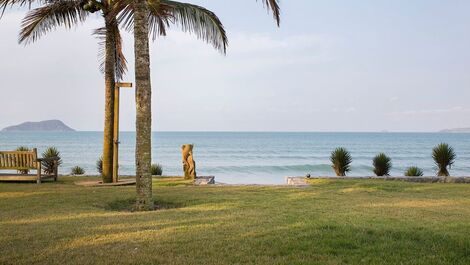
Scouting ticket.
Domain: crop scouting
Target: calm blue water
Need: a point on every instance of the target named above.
(251, 157)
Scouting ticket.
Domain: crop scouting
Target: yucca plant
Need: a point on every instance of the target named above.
(156, 169)
(382, 165)
(99, 165)
(48, 165)
(414, 172)
(23, 148)
(341, 160)
(76, 171)
(444, 157)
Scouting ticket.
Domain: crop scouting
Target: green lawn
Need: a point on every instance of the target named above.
(330, 222)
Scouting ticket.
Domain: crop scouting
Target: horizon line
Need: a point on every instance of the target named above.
(227, 131)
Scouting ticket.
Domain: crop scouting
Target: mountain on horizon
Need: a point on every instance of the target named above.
(40, 126)
(456, 130)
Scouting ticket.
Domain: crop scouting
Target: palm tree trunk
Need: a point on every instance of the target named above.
(143, 156)
(109, 75)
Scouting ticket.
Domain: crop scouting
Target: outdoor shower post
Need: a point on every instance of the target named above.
(117, 87)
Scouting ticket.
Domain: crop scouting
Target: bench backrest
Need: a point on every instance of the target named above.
(18, 159)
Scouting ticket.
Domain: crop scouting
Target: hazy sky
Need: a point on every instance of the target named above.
(334, 65)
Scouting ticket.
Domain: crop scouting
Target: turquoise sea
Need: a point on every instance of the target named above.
(253, 157)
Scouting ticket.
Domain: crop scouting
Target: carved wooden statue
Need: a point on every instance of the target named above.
(189, 165)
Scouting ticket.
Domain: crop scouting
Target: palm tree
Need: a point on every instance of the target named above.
(67, 13)
(141, 9)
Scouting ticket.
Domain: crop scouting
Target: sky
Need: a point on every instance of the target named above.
(336, 65)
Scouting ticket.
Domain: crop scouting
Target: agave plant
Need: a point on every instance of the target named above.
(444, 157)
(23, 148)
(99, 165)
(76, 171)
(341, 160)
(414, 172)
(156, 169)
(48, 165)
(382, 165)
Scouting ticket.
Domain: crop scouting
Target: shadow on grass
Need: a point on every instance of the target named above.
(128, 205)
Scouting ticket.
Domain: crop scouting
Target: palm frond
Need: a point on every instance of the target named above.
(199, 21)
(191, 18)
(120, 62)
(158, 17)
(274, 6)
(5, 3)
(57, 13)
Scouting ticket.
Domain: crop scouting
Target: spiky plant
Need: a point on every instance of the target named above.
(382, 165)
(341, 160)
(76, 171)
(156, 169)
(444, 157)
(414, 172)
(23, 148)
(48, 165)
(99, 165)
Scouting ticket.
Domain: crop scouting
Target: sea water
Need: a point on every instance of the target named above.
(253, 157)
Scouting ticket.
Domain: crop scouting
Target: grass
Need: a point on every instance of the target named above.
(329, 222)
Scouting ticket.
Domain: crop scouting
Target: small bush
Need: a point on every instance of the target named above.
(341, 160)
(414, 172)
(23, 148)
(382, 165)
(99, 165)
(156, 169)
(76, 171)
(444, 157)
(48, 165)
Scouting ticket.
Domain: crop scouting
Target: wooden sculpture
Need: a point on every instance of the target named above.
(189, 165)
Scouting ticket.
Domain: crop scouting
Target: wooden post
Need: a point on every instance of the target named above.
(116, 130)
(39, 172)
(38, 165)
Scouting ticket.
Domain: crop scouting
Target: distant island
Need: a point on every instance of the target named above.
(456, 130)
(40, 126)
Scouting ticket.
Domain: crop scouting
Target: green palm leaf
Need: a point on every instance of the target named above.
(191, 18)
(120, 66)
(41, 20)
(199, 21)
(5, 3)
(274, 6)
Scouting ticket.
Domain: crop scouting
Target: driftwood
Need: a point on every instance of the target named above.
(189, 165)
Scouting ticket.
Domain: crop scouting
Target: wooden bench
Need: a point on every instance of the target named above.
(25, 161)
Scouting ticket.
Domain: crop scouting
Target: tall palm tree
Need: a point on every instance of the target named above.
(67, 13)
(141, 10)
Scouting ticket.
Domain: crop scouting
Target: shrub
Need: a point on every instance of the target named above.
(341, 160)
(414, 172)
(77, 171)
(156, 169)
(99, 165)
(23, 148)
(444, 157)
(382, 165)
(48, 165)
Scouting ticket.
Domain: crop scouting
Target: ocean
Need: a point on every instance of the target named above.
(253, 157)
